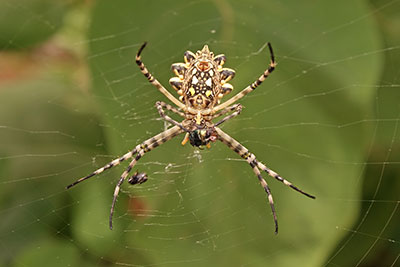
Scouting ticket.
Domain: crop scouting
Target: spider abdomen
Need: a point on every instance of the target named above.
(200, 88)
(201, 81)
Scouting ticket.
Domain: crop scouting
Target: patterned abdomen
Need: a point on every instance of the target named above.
(202, 86)
(201, 81)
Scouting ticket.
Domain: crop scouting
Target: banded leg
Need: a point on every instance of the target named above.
(160, 106)
(264, 184)
(121, 180)
(154, 81)
(251, 159)
(279, 178)
(109, 165)
(130, 154)
(253, 86)
(237, 108)
(145, 147)
(224, 111)
(171, 108)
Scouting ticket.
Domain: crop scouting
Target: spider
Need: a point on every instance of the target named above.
(200, 82)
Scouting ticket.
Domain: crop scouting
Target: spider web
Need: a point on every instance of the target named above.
(327, 120)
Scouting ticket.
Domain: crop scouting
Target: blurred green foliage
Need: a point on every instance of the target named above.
(207, 209)
(25, 23)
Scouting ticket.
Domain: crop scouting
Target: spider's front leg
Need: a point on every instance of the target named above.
(256, 165)
(153, 80)
(252, 86)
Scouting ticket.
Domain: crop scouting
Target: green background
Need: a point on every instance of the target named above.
(72, 99)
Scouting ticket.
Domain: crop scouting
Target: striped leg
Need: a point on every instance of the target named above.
(171, 108)
(153, 81)
(130, 154)
(279, 178)
(237, 108)
(109, 165)
(160, 109)
(224, 111)
(147, 146)
(264, 184)
(253, 86)
(251, 159)
(121, 180)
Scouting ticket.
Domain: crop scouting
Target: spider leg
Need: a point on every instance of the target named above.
(224, 111)
(252, 86)
(109, 165)
(251, 159)
(121, 180)
(115, 162)
(279, 178)
(154, 81)
(236, 107)
(171, 108)
(147, 146)
(160, 109)
(264, 184)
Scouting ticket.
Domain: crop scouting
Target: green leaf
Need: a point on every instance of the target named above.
(43, 145)
(372, 240)
(49, 253)
(25, 23)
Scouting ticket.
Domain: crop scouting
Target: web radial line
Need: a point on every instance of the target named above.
(389, 152)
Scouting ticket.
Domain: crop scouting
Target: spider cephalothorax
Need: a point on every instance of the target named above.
(201, 82)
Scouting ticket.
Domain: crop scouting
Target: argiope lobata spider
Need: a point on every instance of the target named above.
(201, 82)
